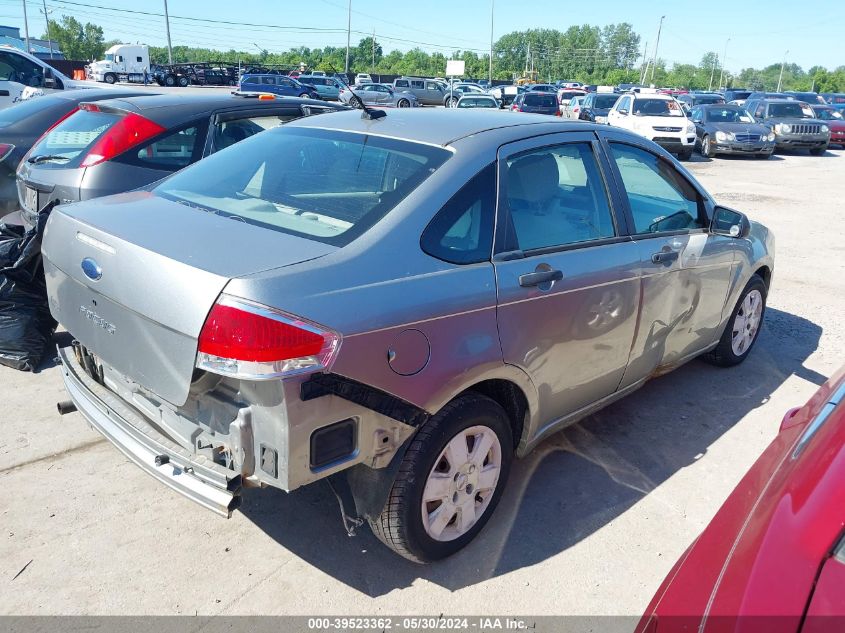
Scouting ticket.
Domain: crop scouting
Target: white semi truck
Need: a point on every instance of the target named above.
(123, 62)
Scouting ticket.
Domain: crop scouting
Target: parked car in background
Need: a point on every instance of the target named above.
(505, 94)
(427, 91)
(729, 129)
(277, 85)
(542, 88)
(756, 96)
(25, 122)
(657, 117)
(565, 94)
(773, 557)
(807, 97)
(572, 109)
(597, 105)
(833, 118)
(793, 123)
(834, 98)
(625, 87)
(536, 103)
(327, 88)
(692, 99)
(472, 100)
(737, 94)
(23, 76)
(121, 144)
(454, 92)
(362, 79)
(287, 346)
(381, 95)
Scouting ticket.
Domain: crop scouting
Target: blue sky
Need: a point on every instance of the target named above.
(757, 37)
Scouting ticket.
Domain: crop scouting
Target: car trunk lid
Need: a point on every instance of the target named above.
(133, 278)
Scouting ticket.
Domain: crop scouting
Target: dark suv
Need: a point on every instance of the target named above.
(793, 123)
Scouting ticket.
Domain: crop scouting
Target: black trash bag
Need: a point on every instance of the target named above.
(26, 325)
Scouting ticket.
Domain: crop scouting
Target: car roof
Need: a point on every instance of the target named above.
(170, 108)
(442, 126)
(97, 94)
(782, 101)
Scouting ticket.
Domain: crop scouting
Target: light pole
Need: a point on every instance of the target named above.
(167, 25)
(348, 35)
(722, 65)
(26, 27)
(783, 63)
(47, 24)
(492, 5)
(656, 45)
(712, 72)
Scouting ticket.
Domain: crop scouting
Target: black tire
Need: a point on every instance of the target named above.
(183, 82)
(400, 524)
(110, 78)
(706, 147)
(170, 81)
(685, 155)
(818, 151)
(451, 102)
(403, 103)
(723, 355)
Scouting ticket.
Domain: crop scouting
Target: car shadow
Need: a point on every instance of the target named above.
(49, 359)
(571, 485)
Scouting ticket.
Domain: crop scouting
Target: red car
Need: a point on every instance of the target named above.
(833, 119)
(773, 558)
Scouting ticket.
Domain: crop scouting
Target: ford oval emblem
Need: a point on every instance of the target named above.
(91, 269)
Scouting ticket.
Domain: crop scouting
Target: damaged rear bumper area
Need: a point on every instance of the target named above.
(203, 481)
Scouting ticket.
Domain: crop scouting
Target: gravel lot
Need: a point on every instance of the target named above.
(590, 523)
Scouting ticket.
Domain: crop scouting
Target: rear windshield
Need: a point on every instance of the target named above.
(476, 102)
(325, 185)
(66, 143)
(605, 102)
(540, 101)
(709, 99)
(793, 110)
(657, 107)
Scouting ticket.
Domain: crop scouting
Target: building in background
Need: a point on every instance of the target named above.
(11, 36)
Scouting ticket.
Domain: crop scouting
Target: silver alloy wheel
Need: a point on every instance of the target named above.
(404, 103)
(461, 484)
(747, 322)
(705, 146)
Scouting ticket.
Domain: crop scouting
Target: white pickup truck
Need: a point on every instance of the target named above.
(23, 76)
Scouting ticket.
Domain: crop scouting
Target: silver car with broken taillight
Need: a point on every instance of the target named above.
(399, 304)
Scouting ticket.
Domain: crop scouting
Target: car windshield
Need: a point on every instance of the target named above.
(788, 110)
(828, 114)
(540, 100)
(605, 102)
(325, 185)
(728, 115)
(657, 107)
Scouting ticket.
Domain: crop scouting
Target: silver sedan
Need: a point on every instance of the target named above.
(379, 95)
(410, 301)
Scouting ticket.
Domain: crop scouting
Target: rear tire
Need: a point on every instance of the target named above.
(403, 103)
(170, 81)
(451, 102)
(743, 327)
(183, 82)
(460, 480)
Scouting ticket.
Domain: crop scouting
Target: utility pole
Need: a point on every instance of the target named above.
(167, 24)
(644, 67)
(656, 46)
(26, 26)
(492, 5)
(373, 69)
(722, 67)
(47, 24)
(348, 35)
(780, 79)
(712, 72)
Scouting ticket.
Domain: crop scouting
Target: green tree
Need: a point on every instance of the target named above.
(76, 40)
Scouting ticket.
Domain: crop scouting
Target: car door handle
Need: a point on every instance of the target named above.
(541, 277)
(664, 257)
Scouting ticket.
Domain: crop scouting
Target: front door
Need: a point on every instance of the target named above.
(686, 270)
(567, 276)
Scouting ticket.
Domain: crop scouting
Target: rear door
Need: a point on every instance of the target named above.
(686, 270)
(566, 272)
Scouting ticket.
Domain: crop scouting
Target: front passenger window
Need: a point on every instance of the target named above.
(661, 199)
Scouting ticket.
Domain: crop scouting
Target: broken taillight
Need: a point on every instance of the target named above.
(243, 339)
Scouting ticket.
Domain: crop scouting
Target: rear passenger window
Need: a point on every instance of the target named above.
(232, 131)
(462, 231)
(171, 152)
(661, 199)
(417, 84)
(401, 83)
(556, 197)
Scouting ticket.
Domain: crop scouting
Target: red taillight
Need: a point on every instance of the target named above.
(132, 129)
(243, 339)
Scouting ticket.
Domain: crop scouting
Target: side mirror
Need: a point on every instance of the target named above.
(730, 223)
(696, 120)
(624, 112)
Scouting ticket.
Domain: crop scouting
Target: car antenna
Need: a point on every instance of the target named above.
(367, 113)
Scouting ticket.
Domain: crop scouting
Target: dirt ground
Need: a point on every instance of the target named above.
(590, 523)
